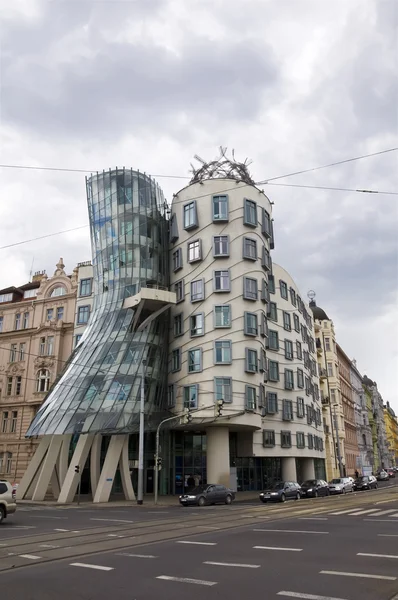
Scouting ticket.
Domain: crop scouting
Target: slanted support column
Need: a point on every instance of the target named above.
(95, 463)
(33, 468)
(125, 471)
(79, 458)
(47, 470)
(106, 479)
(218, 467)
(64, 458)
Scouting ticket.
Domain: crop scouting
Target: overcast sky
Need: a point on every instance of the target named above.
(150, 83)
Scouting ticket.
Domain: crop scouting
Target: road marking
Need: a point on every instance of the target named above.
(197, 543)
(61, 530)
(48, 517)
(111, 520)
(379, 521)
(115, 535)
(136, 555)
(87, 566)
(220, 564)
(206, 527)
(377, 555)
(306, 596)
(385, 512)
(366, 512)
(396, 515)
(313, 519)
(47, 546)
(25, 527)
(30, 556)
(364, 575)
(343, 512)
(186, 580)
(379, 534)
(292, 531)
(273, 548)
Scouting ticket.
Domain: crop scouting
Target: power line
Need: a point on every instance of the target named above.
(92, 171)
(42, 237)
(320, 187)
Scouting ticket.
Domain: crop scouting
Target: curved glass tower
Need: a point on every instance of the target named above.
(99, 390)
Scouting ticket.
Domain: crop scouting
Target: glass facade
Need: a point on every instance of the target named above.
(99, 390)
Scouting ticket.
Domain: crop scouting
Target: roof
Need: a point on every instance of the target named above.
(318, 312)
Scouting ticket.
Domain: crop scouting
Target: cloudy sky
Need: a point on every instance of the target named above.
(291, 84)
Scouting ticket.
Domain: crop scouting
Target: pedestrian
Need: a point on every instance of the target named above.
(356, 473)
(190, 482)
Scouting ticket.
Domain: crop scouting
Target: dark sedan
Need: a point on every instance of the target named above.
(312, 488)
(366, 482)
(208, 494)
(282, 491)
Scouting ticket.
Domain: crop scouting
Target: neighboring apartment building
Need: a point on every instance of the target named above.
(391, 422)
(351, 450)
(84, 300)
(36, 333)
(363, 427)
(381, 447)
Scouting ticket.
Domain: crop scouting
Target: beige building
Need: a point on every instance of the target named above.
(351, 449)
(36, 338)
(84, 300)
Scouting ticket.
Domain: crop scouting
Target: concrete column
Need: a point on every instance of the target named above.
(47, 472)
(95, 463)
(289, 472)
(106, 479)
(125, 471)
(63, 458)
(308, 469)
(218, 469)
(33, 468)
(79, 458)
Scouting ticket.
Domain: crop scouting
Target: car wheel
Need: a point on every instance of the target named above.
(298, 496)
(264, 501)
(327, 492)
(201, 501)
(283, 498)
(2, 514)
(344, 490)
(316, 494)
(228, 499)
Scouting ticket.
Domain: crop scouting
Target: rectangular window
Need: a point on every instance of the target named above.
(264, 325)
(296, 322)
(18, 385)
(250, 213)
(60, 313)
(300, 378)
(273, 370)
(330, 369)
(1, 324)
(293, 298)
(190, 215)
(173, 229)
(299, 350)
(271, 403)
(4, 422)
(177, 260)
(179, 290)
(220, 208)
(264, 291)
(273, 311)
(283, 289)
(22, 347)
(85, 287)
(273, 340)
(17, 321)
(194, 251)
(250, 288)
(287, 412)
(9, 386)
(289, 381)
(171, 396)
(14, 419)
(13, 353)
(223, 352)
(266, 223)
(220, 245)
(197, 324)
(327, 344)
(30, 293)
(176, 360)
(310, 441)
(250, 323)
(249, 249)
(78, 337)
(83, 314)
(268, 438)
(222, 315)
(266, 259)
(178, 324)
(333, 395)
(286, 439)
(50, 345)
(300, 408)
(288, 350)
(195, 360)
(271, 284)
(286, 321)
(223, 389)
(222, 281)
(191, 396)
(262, 400)
(300, 439)
(42, 346)
(197, 290)
(5, 297)
(251, 360)
(50, 314)
(250, 397)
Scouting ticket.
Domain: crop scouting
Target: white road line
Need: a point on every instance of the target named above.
(313, 519)
(292, 531)
(386, 512)
(378, 520)
(206, 527)
(343, 512)
(111, 520)
(30, 556)
(197, 543)
(396, 515)
(87, 566)
(63, 530)
(47, 546)
(136, 555)
(306, 596)
(47, 517)
(366, 512)
(364, 575)
(377, 555)
(186, 580)
(221, 564)
(115, 535)
(273, 548)
(379, 534)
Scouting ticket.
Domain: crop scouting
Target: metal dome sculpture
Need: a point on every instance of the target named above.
(222, 168)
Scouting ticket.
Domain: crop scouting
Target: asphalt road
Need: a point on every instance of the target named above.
(337, 548)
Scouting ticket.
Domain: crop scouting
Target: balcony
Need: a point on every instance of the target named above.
(323, 374)
(324, 399)
(319, 348)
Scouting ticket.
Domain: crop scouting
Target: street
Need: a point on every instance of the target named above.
(336, 548)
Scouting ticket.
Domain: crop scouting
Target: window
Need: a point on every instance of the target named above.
(58, 291)
(273, 311)
(223, 352)
(195, 360)
(194, 251)
(85, 287)
(310, 441)
(197, 324)
(289, 381)
(296, 323)
(60, 313)
(78, 337)
(43, 380)
(9, 386)
(176, 360)
(222, 281)
(18, 385)
(220, 245)
(191, 396)
(17, 321)
(299, 351)
(300, 408)
(273, 340)
(264, 325)
(300, 439)
(264, 291)
(271, 284)
(293, 298)
(283, 289)
(223, 389)
(286, 321)
(42, 346)
(287, 411)
(266, 223)
(220, 208)
(300, 378)
(333, 395)
(177, 259)
(4, 422)
(249, 249)
(251, 360)
(261, 400)
(13, 353)
(22, 351)
(250, 397)
(222, 315)
(286, 439)
(5, 297)
(268, 438)
(179, 290)
(171, 396)
(30, 293)
(1, 324)
(288, 350)
(273, 370)
(250, 288)
(250, 323)
(330, 369)
(14, 419)
(327, 344)
(271, 403)
(265, 259)
(197, 290)
(178, 325)
(83, 313)
(8, 462)
(190, 215)
(49, 314)
(25, 320)
(250, 213)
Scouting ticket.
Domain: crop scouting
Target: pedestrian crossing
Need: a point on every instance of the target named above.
(369, 512)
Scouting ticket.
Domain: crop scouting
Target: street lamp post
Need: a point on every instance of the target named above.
(140, 490)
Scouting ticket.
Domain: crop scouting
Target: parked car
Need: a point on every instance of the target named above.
(365, 482)
(8, 503)
(207, 494)
(383, 476)
(341, 485)
(312, 488)
(282, 491)
(391, 472)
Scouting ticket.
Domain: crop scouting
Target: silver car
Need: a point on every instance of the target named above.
(7, 500)
(341, 485)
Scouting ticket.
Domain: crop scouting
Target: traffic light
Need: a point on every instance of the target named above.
(77, 469)
(220, 404)
(159, 463)
(189, 417)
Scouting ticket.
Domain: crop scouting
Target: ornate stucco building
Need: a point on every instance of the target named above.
(351, 450)
(381, 451)
(362, 423)
(391, 422)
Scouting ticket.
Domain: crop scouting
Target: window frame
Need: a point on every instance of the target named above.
(178, 319)
(189, 388)
(217, 240)
(197, 246)
(283, 286)
(273, 362)
(300, 407)
(289, 345)
(250, 403)
(179, 290)
(271, 434)
(224, 218)
(287, 410)
(266, 259)
(250, 295)
(286, 439)
(226, 274)
(175, 353)
(223, 362)
(300, 441)
(291, 377)
(215, 316)
(272, 335)
(300, 379)
(266, 227)
(79, 310)
(197, 363)
(251, 360)
(177, 260)
(228, 398)
(248, 207)
(197, 296)
(81, 286)
(171, 395)
(296, 323)
(192, 224)
(287, 322)
(194, 316)
(273, 311)
(272, 406)
(249, 249)
(247, 328)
